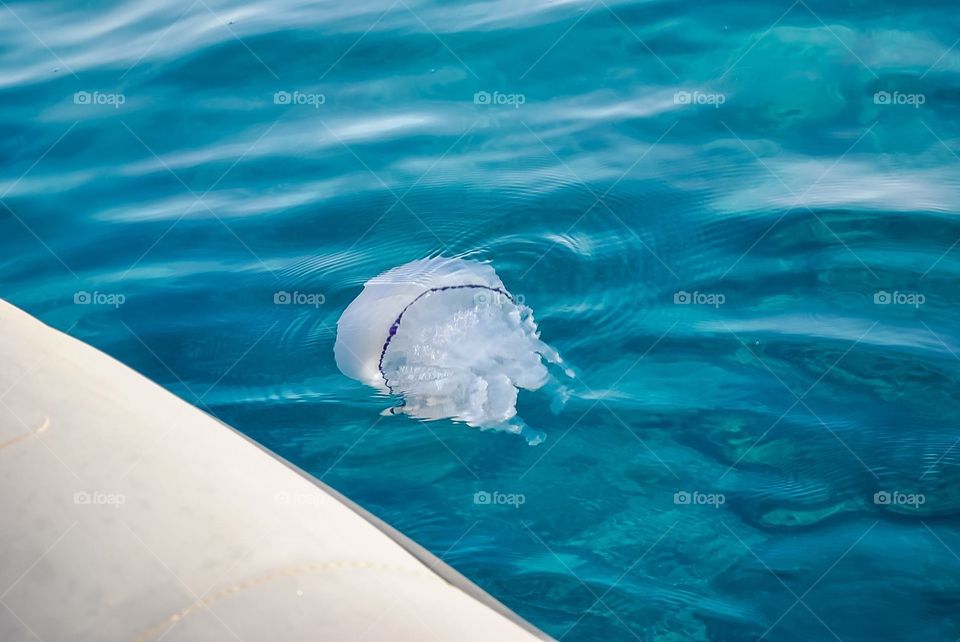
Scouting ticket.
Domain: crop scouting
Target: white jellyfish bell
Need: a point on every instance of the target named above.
(446, 336)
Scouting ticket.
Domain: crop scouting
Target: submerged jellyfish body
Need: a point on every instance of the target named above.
(446, 336)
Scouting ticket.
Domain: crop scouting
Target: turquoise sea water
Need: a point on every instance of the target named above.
(736, 221)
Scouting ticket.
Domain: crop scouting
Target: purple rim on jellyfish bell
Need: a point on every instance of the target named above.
(395, 326)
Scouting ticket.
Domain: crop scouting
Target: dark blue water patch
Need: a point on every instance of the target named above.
(793, 561)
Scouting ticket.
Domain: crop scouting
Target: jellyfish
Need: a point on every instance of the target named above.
(447, 339)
